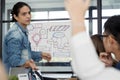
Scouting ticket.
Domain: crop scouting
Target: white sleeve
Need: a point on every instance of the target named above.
(85, 61)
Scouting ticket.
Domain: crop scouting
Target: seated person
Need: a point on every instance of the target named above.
(99, 47)
(85, 62)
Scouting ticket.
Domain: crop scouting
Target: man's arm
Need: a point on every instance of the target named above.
(15, 57)
(77, 10)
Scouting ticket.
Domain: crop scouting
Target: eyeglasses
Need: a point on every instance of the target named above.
(101, 36)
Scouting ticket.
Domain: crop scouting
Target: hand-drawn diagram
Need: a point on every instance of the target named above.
(51, 37)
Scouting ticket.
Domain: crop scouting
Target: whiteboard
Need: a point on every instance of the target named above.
(52, 37)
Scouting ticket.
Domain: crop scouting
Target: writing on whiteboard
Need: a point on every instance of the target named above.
(51, 37)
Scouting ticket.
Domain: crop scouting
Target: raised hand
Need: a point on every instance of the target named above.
(76, 10)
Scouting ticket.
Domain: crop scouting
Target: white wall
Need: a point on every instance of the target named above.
(35, 4)
(59, 3)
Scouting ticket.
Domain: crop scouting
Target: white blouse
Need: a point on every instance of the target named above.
(86, 63)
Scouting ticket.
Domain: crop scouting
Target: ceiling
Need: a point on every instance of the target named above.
(105, 3)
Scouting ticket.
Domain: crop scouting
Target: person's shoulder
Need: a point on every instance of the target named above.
(117, 66)
(13, 28)
(13, 32)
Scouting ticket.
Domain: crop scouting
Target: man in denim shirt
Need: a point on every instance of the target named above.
(17, 50)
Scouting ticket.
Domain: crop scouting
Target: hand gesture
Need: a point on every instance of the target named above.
(106, 58)
(30, 64)
(46, 56)
(77, 8)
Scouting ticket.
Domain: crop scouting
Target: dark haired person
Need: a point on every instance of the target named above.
(111, 37)
(100, 49)
(98, 43)
(85, 62)
(17, 50)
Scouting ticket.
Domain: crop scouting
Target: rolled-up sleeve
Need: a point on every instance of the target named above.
(14, 52)
(36, 56)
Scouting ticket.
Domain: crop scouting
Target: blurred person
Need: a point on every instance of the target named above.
(99, 47)
(98, 43)
(111, 37)
(85, 62)
(17, 50)
(3, 75)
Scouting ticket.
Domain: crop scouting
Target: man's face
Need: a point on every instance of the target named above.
(24, 16)
(106, 42)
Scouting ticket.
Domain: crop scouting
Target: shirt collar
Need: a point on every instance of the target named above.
(23, 29)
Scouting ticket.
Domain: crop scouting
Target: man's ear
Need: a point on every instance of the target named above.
(111, 40)
(15, 17)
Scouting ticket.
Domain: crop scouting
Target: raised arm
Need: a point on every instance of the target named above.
(77, 10)
(85, 62)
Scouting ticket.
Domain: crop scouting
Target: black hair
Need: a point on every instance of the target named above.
(16, 9)
(112, 26)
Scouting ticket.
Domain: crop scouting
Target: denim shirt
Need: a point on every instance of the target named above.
(117, 66)
(15, 43)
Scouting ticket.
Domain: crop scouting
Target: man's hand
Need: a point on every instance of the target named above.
(30, 64)
(106, 58)
(46, 56)
(77, 10)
